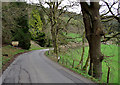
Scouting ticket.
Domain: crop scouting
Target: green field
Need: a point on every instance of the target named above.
(111, 51)
(107, 50)
(76, 37)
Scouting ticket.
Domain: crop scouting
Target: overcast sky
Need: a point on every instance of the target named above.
(77, 9)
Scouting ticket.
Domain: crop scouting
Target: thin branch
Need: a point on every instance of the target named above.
(106, 20)
(108, 38)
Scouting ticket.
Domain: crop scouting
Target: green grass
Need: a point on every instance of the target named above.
(11, 51)
(73, 35)
(107, 50)
(76, 37)
(110, 50)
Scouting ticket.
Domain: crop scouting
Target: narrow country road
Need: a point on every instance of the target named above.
(35, 67)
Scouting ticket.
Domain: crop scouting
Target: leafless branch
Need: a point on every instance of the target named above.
(108, 38)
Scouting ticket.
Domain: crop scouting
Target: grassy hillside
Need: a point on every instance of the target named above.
(76, 37)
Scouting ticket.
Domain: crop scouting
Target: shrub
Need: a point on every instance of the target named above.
(22, 33)
(48, 42)
(25, 43)
(15, 24)
(6, 36)
(23, 38)
(41, 39)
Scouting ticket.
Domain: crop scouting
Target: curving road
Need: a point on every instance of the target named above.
(35, 67)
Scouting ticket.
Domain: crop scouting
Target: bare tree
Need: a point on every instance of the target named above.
(112, 12)
(54, 13)
(94, 34)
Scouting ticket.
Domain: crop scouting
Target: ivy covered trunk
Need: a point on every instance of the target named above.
(55, 41)
(94, 34)
(54, 31)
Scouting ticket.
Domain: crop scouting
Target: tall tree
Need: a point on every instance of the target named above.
(94, 32)
(35, 23)
(54, 14)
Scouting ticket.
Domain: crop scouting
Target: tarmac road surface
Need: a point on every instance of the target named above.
(35, 67)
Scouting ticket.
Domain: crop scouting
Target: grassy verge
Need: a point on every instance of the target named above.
(12, 51)
(111, 51)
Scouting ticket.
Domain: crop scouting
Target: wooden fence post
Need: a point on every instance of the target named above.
(48, 52)
(66, 62)
(73, 63)
(63, 61)
(108, 74)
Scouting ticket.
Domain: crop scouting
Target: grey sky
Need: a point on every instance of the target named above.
(76, 9)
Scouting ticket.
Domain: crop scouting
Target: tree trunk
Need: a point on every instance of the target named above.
(56, 45)
(54, 28)
(94, 33)
(95, 56)
(54, 40)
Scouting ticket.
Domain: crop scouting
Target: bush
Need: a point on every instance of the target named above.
(25, 43)
(23, 38)
(6, 36)
(22, 33)
(15, 24)
(48, 42)
(41, 39)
